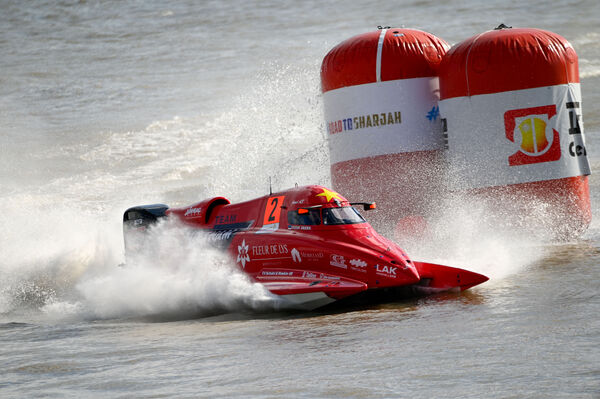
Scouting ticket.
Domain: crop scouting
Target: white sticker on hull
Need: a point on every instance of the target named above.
(243, 256)
(296, 256)
(388, 271)
(338, 261)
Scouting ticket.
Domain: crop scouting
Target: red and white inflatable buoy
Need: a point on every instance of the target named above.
(380, 97)
(511, 101)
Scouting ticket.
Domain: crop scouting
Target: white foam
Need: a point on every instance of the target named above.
(61, 240)
(176, 274)
(470, 234)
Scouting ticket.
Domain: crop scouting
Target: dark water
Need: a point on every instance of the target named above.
(106, 104)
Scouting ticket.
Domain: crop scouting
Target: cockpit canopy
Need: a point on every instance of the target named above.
(317, 205)
(325, 216)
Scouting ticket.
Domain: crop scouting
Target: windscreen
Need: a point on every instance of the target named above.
(344, 215)
(307, 217)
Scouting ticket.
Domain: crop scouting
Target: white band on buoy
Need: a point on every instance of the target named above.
(380, 118)
(379, 51)
(516, 136)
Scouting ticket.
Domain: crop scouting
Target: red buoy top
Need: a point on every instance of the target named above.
(383, 55)
(505, 60)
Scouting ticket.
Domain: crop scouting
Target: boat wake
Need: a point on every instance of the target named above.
(177, 277)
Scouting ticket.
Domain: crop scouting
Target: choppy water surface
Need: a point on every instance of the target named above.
(105, 105)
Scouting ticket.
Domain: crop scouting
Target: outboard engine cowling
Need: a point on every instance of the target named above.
(137, 219)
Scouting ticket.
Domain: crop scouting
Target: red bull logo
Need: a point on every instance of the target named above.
(529, 129)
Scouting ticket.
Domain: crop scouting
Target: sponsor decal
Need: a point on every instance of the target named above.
(330, 195)
(296, 256)
(191, 212)
(575, 150)
(389, 271)
(434, 113)
(530, 129)
(223, 219)
(445, 132)
(243, 256)
(309, 275)
(269, 250)
(328, 277)
(338, 261)
(298, 202)
(364, 121)
(296, 227)
(574, 117)
(358, 263)
(221, 235)
(311, 254)
(276, 273)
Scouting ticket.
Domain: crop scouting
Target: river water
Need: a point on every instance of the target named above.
(109, 104)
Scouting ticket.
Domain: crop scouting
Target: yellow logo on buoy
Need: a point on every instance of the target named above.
(536, 143)
(533, 136)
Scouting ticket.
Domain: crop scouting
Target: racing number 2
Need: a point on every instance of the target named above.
(273, 209)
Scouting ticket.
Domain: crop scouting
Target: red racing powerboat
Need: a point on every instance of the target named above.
(308, 245)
